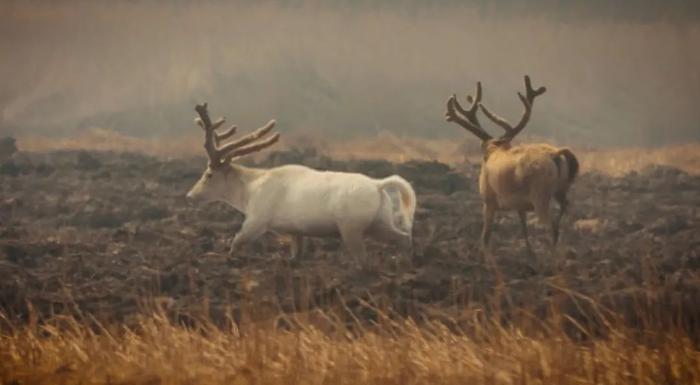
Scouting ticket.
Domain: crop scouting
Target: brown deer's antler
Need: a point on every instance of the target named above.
(528, 100)
(468, 120)
(224, 154)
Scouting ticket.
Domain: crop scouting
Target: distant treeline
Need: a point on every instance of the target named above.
(616, 10)
(618, 72)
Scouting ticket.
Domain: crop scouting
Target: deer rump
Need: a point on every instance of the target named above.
(302, 201)
(527, 173)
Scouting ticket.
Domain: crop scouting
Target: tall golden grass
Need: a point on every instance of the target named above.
(385, 145)
(469, 345)
(318, 348)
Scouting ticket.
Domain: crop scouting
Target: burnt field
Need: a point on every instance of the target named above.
(110, 234)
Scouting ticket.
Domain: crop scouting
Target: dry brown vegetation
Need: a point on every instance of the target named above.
(387, 146)
(109, 278)
(106, 277)
(400, 351)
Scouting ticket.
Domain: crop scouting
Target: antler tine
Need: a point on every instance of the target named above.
(470, 113)
(205, 122)
(253, 136)
(532, 94)
(221, 155)
(226, 134)
(217, 124)
(496, 119)
(214, 127)
(512, 131)
(528, 102)
(241, 151)
(471, 123)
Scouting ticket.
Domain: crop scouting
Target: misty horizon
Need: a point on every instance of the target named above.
(341, 70)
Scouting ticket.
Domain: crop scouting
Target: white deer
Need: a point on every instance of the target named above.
(298, 200)
(522, 177)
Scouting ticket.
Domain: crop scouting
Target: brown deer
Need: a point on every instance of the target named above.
(521, 177)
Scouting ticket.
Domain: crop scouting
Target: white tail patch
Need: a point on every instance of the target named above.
(406, 204)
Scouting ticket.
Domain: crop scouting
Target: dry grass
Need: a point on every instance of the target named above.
(618, 162)
(615, 162)
(328, 348)
(319, 349)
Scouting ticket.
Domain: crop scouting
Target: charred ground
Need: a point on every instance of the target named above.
(105, 234)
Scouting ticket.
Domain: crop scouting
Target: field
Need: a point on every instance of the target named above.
(108, 276)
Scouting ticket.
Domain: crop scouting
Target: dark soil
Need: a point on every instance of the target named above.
(105, 234)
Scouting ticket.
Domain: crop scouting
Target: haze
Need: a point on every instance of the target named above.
(616, 75)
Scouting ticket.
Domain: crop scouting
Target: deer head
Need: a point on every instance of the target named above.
(467, 117)
(216, 182)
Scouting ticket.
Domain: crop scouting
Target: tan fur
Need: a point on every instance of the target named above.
(522, 177)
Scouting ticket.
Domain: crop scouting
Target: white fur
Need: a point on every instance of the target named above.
(301, 201)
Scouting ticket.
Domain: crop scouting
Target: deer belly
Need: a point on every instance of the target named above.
(514, 202)
(305, 223)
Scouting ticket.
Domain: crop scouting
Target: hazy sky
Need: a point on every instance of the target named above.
(627, 73)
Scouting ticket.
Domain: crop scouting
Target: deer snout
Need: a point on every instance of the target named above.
(191, 196)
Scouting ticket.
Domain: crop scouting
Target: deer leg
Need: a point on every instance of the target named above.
(489, 212)
(354, 244)
(541, 205)
(523, 227)
(563, 205)
(249, 231)
(297, 249)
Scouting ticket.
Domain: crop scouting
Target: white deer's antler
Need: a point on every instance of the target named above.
(219, 155)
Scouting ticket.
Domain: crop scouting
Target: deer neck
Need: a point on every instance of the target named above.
(493, 146)
(241, 181)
